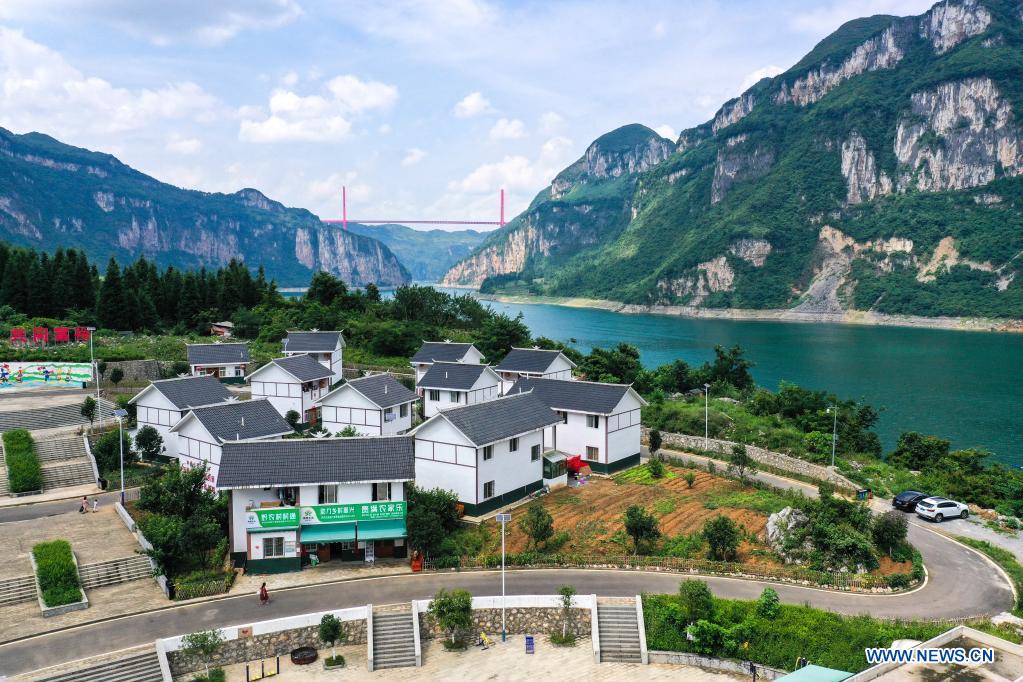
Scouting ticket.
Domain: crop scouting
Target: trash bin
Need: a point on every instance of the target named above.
(103, 483)
(862, 494)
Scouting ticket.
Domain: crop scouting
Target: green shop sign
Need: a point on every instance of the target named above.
(275, 517)
(363, 511)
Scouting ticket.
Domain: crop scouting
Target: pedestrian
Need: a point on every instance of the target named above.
(84, 506)
(95, 504)
(264, 595)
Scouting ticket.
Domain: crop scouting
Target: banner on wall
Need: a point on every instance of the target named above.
(14, 375)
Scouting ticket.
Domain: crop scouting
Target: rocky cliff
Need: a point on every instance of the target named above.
(52, 194)
(882, 172)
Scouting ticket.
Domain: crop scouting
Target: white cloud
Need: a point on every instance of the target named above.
(186, 146)
(754, 77)
(413, 156)
(508, 129)
(317, 118)
(328, 189)
(824, 20)
(550, 122)
(518, 172)
(665, 130)
(473, 104)
(290, 78)
(162, 23)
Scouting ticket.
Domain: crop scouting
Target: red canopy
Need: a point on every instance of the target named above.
(82, 334)
(40, 334)
(18, 335)
(61, 334)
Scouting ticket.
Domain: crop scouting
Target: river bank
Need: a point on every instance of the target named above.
(859, 317)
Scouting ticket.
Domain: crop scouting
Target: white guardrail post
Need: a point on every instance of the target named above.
(643, 653)
(594, 629)
(92, 460)
(415, 634)
(369, 637)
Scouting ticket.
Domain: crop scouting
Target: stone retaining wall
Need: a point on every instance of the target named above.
(709, 663)
(774, 459)
(519, 621)
(134, 370)
(264, 646)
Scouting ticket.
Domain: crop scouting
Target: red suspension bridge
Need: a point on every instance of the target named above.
(345, 219)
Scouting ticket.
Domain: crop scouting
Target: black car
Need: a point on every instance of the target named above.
(907, 499)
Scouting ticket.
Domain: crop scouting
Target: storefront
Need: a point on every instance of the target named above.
(354, 532)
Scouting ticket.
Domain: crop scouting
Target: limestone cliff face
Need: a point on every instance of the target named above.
(734, 111)
(606, 160)
(951, 22)
(691, 289)
(860, 171)
(738, 161)
(753, 251)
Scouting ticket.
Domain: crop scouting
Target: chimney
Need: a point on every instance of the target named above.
(445, 374)
(243, 421)
(385, 389)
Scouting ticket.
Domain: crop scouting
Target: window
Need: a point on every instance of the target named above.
(389, 414)
(534, 453)
(456, 396)
(381, 491)
(593, 421)
(564, 417)
(488, 490)
(513, 445)
(403, 410)
(591, 453)
(273, 547)
(434, 394)
(488, 452)
(328, 494)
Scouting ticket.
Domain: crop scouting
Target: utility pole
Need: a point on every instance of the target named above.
(706, 417)
(120, 415)
(503, 519)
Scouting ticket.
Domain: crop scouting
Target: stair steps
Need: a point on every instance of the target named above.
(17, 590)
(618, 633)
(139, 668)
(51, 417)
(393, 640)
(59, 449)
(115, 571)
(67, 473)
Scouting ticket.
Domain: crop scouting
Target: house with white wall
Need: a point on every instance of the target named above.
(596, 420)
(341, 499)
(203, 431)
(293, 383)
(443, 351)
(533, 363)
(450, 384)
(377, 405)
(163, 403)
(326, 347)
(489, 454)
(225, 361)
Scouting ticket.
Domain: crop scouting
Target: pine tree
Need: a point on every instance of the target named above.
(113, 308)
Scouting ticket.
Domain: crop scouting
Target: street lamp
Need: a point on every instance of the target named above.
(706, 417)
(834, 431)
(120, 415)
(503, 519)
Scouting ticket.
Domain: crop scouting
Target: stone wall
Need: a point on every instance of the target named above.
(519, 621)
(710, 663)
(777, 460)
(134, 370)
(266, 645)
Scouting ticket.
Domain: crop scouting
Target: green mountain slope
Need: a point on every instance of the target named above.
(882, 172)
(426, 253)
(53, 194)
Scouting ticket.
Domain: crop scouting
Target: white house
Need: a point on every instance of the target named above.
(489, 454)
(533, 363)
(293, 383)
(449, 384)
(326, 347)
(225, 361)
(376, 405)
(202, 432)
(598, 421)
(443, 351)
(163, 403)
(336, 498)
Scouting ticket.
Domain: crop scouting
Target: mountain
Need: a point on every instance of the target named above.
(53, 194)
(882, 172)
(426, 253)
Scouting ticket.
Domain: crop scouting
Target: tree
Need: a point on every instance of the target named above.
(113, 303)
(889, 531)
(618, 365)
(696, 600)
(537, 524)
(203, 645)
(740, 463)
(722, 536)
(116, 375)
(325, 289)
(640, 525)
(917, 452)
(451, 611)
(499, 334)
(89, 409)
(730, 367)
(148, 442)
(292, 417)
(566, 592)
(332, 631)
(768, 605)
(656, 468)
(431, 517)
(108, 453)
(690, 479)
(347, 432)
(655, 441)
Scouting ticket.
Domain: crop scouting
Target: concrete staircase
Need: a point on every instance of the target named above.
(17, 590)
(115, 571)
(58, 449)
(51, 417)
(393, 640)
(64, 461)
(619, 633)
(143, 667)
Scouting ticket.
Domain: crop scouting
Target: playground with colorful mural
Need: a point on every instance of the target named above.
(15, 375)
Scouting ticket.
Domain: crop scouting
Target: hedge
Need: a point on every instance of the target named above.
(23, 469)
(57, 573)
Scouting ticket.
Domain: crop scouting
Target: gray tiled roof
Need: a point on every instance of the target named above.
(499, 419)
(527, 360)
(457, 375)
(382, 389)
(192, 391)
(303, 367)
(217, 353)
(573, 396)
(242, 419)
(441, 351)
(316, 460)
(312, 342)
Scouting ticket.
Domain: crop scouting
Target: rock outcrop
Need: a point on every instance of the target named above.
(692, 288)
(734, 111)
(738, 161)
(859, 169)
(753, 251)
(781, 526)
(953, 21)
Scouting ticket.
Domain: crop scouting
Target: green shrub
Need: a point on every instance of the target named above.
(768, 605)
(696, 600)
(682, 546)
(897, 581)
(57, 573)
(23, 470)
(656, 467)
(558, 639)
(336, 659)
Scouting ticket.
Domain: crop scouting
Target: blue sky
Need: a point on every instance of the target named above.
(423, 109)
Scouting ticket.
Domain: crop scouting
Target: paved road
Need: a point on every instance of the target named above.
(39, 510)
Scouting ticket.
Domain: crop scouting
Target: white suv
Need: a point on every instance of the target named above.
(938, 509)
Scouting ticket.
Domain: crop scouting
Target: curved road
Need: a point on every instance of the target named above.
(961, 583)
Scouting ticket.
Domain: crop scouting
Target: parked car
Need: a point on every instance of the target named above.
(907, 499)
(938, 509)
